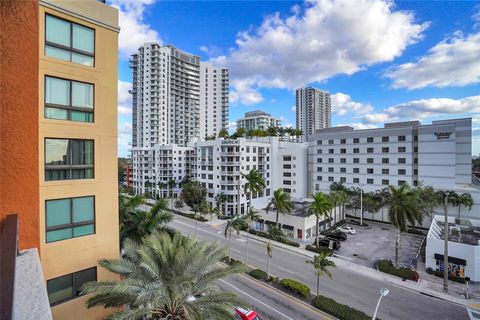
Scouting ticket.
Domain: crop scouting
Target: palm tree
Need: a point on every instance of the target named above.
(165, 277)
(342, 200)
(465, 200)
(269, 256)
(320, 207)
(220, 199)
(321, 263)
(281, 202)
(235, 224)
(382, 195)
(223, 134)
(255, 183)
(137, 224)
(171, 184)
(161, 186)
(403, 208)
(334, 201)
(251, 216)
(178, 204)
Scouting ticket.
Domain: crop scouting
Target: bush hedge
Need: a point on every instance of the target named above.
(296, 286)
(404, 273)
(429, 270)
(450, 277)
(190, 216)
(258, 274)
(338, 310)
(266, 235)
(319, 250)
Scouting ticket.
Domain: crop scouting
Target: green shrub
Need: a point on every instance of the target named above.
(429, 270)
(319, 250)
(296, 287)
(450, 277)
(338, 310)
(404, 273)
(258, 274)
(266, 235)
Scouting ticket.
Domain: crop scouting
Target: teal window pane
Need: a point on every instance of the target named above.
(82, 95)
(55, 113)
(83, 38)
(83, 230)
(60, 289)
(89, 173)
(88, 152)
(57, 91)
(58, 235)
(83, 209)
(82, 116)
(57, 53)
(56, 151)
(58, 31)
(82, 59)
(58, 212)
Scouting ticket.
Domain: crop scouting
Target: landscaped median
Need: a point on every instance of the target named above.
(404, 273)
(266, 235)
(338, 310)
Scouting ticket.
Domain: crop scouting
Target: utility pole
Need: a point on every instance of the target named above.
(238, 194)
(361, 206)
(445, 243)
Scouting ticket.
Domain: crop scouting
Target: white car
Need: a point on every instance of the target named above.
(347, 229)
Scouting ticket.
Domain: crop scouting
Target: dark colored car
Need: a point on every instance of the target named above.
(336, 235)
(325, 242)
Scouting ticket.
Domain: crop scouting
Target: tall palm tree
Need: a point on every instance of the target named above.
(220, 199)
(255, 183)
(334, 201)
(165, 277)
(320, 207)
(171, 184)
(269, 256)
(342, 200)
(137, 224)
(161, 186)
(382, 195)
(281, 202)
(321, 263)
(235, 224)
(403, 208)
(251, 216)
(465, 200)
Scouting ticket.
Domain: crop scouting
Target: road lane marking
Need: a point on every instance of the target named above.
(259, 301)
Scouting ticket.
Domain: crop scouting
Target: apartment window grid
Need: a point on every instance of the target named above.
(69, 218)
(68, 99)
(68, 287)
(69, 41)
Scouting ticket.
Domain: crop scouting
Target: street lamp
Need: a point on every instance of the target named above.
(383, 293)
(445, 244)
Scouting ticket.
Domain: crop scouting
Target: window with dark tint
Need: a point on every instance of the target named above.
(69, 41)
(319, 178)
(401, 182)
(385, 139)
(370, 170)
(68, 100)
(402, 160)
(370, 181)
(67, 159)
(288, 166)
(356, 170)
(343, 179)
(402, 149)
(330, 151)
(401, 171)
(343, 170)
(402, 138)
(385, 182)
(319, 151)
(69, 286)
(356, 160)
(385, 160)
(370, 139)
(330, 179)
(69, 218)
(330, 160)
(330, 141)
(356, 180)
(343, 150)
(369, 160)
(356, 150)
(343, 160)
(356, 140)
(385, 149)
(319, 160)
(330, 169)
(287, 174)
(343, 141)
(369, 150)
(319, 142)
(385, 171)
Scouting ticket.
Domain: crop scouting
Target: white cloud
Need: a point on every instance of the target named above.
(124, 137)
(124, 98)
(359, 125)
(286, 122)
(342, 104)
(294, 109)
(455, 61)
(424, 108)
(318, 41)
(134, 32)
(476, 17)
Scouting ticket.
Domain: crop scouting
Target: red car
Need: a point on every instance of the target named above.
(245, 314)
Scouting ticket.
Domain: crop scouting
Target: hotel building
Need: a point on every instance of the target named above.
(64, 185)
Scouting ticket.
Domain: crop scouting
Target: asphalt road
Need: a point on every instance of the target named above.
(270, 304)
(347, 287)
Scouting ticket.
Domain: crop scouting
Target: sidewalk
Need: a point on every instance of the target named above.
(424, 286)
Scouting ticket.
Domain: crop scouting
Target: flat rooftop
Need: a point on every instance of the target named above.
(466, 231)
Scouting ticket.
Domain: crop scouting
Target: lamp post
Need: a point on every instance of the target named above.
(445, 244)
(361, 206)
(383, 293)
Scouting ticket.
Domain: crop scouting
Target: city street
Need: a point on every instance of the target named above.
(347, 287)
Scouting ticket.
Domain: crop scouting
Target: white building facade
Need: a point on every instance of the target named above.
(257, 120)
(313, 111)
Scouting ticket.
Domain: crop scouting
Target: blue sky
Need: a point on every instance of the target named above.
(381, 61)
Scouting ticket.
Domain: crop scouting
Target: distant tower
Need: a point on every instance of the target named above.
(313, 110)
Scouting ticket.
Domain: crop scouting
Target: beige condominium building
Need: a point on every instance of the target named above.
(78, 49)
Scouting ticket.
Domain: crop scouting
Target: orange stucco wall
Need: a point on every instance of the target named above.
(19, 190)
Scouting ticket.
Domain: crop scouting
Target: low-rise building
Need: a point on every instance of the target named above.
(257, 120)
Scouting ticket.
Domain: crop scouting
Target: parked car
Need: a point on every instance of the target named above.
(325, 242)
(336, 235)
(346, 229)
(246, 314)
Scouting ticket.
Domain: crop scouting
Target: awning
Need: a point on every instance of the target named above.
(269, 222)
(286, 226)
(451, 259)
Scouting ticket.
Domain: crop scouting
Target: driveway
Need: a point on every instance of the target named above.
(378, 242)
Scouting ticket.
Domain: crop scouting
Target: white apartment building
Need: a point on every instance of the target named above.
(257, 120)
(160, 169)
(213, 99)
(313, 111)
(438, 154)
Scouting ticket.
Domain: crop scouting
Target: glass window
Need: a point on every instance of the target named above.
(69, 286)
(69, 41)
(67, 159)
(69, 218)
(68, 100)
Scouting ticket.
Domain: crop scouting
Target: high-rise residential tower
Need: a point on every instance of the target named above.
(213, 99)
(313, 110)
(59, 147)
(257, 120)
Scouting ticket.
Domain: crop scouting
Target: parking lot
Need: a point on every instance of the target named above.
(378, 242)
